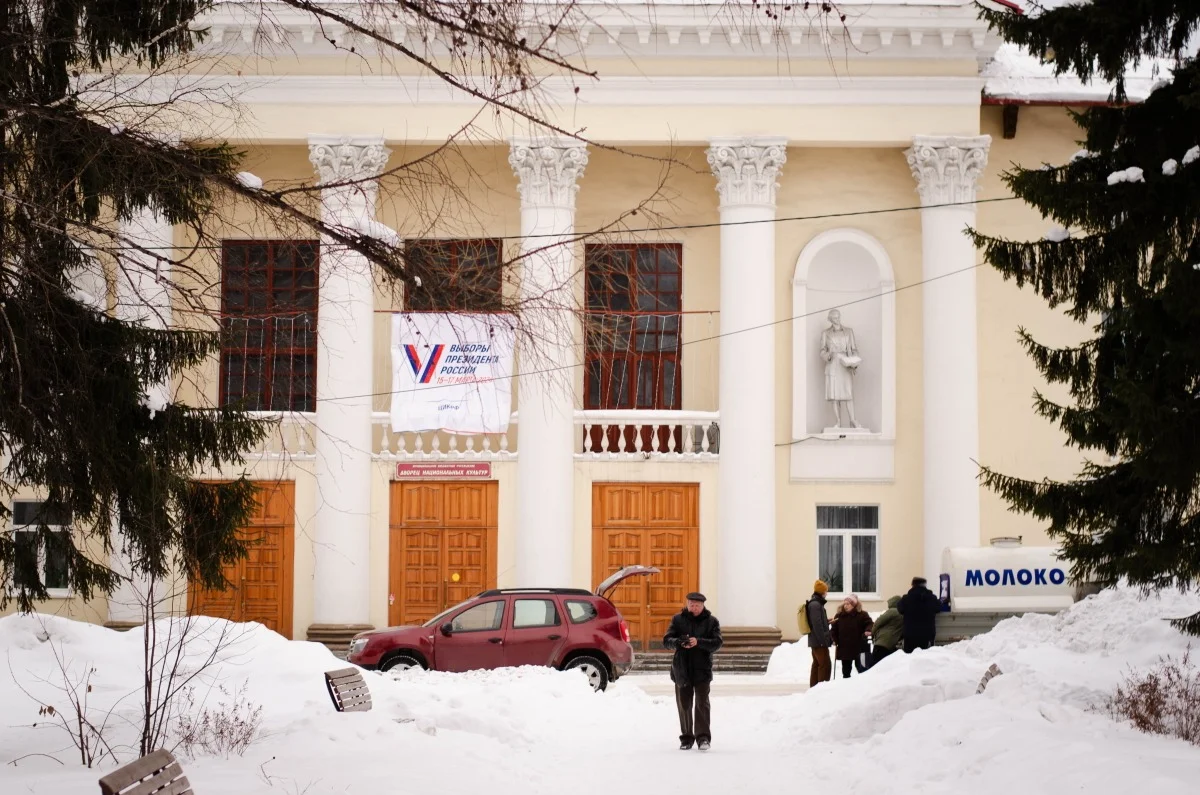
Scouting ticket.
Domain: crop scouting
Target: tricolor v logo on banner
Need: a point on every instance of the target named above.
(461, 386)
(414, 359)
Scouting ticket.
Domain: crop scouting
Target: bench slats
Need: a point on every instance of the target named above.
(991, 673)
(348, 690)
(157, 773)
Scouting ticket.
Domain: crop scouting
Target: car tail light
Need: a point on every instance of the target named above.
(624, 630)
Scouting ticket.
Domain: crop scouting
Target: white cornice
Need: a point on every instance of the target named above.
(879, 29)
(334, 90)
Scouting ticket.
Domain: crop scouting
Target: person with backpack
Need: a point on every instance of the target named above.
(919, 607)
(814, 622)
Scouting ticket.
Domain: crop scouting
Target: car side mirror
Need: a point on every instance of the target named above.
(447, 628)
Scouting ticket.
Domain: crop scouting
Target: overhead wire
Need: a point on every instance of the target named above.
(674, 227)
(710, 338)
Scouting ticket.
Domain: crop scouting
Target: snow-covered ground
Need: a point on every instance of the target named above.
(914, 724)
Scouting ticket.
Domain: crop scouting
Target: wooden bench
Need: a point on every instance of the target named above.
(157, 773)
(348, 690)
(991, 673)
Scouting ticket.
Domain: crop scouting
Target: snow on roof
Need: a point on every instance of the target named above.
(1015, 74)
(1018, 76)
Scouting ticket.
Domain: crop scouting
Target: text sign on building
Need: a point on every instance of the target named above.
(443, 470)
(451, 372)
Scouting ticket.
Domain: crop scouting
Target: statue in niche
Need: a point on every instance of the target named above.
(840, 353)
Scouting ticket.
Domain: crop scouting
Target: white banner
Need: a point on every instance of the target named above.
(451, 372)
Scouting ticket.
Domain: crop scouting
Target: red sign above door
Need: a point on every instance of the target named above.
(443, 470)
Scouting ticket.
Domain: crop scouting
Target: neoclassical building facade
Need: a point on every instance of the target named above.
(696, 433)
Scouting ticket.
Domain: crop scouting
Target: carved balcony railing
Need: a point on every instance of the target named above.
(639, 435)
(292, 437)
(604, 435)
(441, 446)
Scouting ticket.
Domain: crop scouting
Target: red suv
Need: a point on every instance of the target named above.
(563, 628)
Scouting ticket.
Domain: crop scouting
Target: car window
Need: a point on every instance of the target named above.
(480, 618)
(534, 613)
(580, 611)
(441, 617)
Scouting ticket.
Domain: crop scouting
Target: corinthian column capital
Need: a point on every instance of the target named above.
(947, 168)
(747, 169)
(347, 158)
(548, 170)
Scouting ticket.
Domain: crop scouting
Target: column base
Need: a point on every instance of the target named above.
(336, 637)
(122, 626)
(750, 640)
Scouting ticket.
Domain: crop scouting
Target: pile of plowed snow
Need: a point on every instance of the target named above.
(914, 723)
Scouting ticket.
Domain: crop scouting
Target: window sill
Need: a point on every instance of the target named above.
(837, 596)
(52, 594)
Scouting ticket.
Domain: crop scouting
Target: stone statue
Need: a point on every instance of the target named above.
(840, 353)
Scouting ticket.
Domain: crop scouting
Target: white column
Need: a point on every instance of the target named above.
(747, 171)
(347, 168)
(548, 170)
(143, 296)
(947, 170)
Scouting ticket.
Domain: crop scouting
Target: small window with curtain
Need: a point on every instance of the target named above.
(269, 319)
(41, 558)
(454, 276)
(634, 326)
(848, 548)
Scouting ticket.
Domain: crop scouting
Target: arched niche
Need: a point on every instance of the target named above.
(849, 270)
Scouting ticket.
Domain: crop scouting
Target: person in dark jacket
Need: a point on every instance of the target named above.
(695, 635)
(919, 607)
(850, 627)
(888, 631)
(819, 637)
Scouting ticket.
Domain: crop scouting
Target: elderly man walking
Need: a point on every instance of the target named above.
(695, 635)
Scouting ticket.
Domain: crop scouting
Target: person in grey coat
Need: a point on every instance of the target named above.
(820, 638)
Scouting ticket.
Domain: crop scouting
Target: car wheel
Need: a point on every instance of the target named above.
(593, 669)
(400, 664)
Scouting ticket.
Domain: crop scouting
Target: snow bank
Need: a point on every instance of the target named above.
(913, 723)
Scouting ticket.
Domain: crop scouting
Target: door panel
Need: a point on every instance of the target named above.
(466, 504)
(536, 632)
(260, 586)
(667, 506)
(472, 645)
(442, 547)
(665, 535)
(623, 548)
(421, 503)
(622, 505)
(421, 594)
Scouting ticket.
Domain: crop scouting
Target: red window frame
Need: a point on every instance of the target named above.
(634, 326)
(269, 297)
(457, 275)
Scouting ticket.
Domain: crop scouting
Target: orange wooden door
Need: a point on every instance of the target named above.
(260, 587)
(654, 524)
(442, 546)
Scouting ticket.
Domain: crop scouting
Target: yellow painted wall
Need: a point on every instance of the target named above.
(1013, 439)
(815, 181)
(823, 181)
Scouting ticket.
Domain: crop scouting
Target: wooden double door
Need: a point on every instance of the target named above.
(442, 546)
(260, 587)
(654, 524)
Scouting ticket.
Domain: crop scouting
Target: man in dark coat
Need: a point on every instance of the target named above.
(919, 607)
(695, 635)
